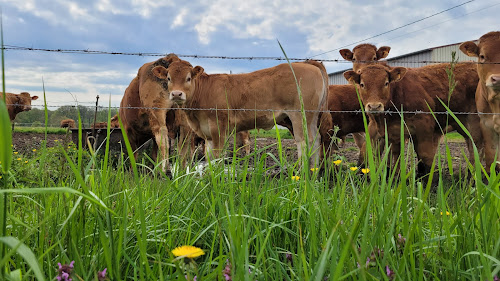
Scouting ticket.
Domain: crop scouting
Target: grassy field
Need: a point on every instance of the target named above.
(64, 204)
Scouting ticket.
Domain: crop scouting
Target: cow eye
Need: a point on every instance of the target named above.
(482, 57)
(353, 59)
(362, 85)
(386, 83)
(374, 58)
(168, 79)
(188, 79)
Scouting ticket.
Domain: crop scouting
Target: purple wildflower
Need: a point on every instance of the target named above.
(389, 272)
(101, 275)
(289, 257)
(400, 242)
(496, 278)
(227, 271)
(65, 271)
(194, 279)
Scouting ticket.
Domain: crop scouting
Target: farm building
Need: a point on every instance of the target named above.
(415, 59)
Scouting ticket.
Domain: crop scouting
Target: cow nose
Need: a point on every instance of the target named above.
(376, 106)
(495, 80)
(176, 94)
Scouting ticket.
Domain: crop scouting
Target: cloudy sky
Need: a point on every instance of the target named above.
(211, 28)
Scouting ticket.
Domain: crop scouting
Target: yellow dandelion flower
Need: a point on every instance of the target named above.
(16, 152)
(365, 171)
(447, 213)
(188, 252)
(26, 162)
(34, 149)
(56, 140)
(19, 159)
(354, 168)
(0, 177)
(337, 162)
(295, 178)
(314, 169)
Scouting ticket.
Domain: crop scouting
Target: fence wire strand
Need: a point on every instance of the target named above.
(358, 111)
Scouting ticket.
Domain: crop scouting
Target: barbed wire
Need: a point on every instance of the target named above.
(358, 111)
(250, 58)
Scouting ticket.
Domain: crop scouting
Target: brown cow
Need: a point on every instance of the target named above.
(114, 122)
(418, 89)
(188, 141)
(365, 54)
(340, 98)
(343, 98)
(68, 123)
(17, 103)
(100, 125)
(143, 110)
(488, 91)
(272, 88)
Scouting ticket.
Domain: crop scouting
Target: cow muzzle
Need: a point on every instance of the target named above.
(374, 107)
(178, 97)
(494, 81)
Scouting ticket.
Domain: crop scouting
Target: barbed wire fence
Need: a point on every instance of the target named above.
(249, 58)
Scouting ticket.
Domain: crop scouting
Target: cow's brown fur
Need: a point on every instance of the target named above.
(272, 88)
(488, 91)
(144, 107)
(365, 54)
(68, 123)
(17, 103)
(100, 125)
(344, 98)
(417, 89)
(114, 122)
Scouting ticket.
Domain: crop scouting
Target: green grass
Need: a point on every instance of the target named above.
(102, 216)
(285, 134)
(39, 130)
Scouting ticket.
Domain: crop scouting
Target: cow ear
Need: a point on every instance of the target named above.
(383, 52)
(346, 54)
(469, 48)
(352, 77)
(34, 97)
(160, 72)
(197, 70)
(397, 73)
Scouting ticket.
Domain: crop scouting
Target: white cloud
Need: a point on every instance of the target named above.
(179, 19)
(62, 87)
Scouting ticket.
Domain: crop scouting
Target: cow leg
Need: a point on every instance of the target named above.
(313, 136)
(491, 143)
(359, 139)
(426, 145)
(218, 132)
(157, 120)
(185, 145)
(243, 140)
(473, 126)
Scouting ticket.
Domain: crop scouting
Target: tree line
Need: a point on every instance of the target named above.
(36, 117)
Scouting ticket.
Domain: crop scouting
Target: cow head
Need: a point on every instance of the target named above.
(23, 101)
(374, 85)
(488, 53)
(364, 54)
(180, 76)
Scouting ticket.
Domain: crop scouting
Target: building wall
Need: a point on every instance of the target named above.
(443, 54)
(412, 60)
